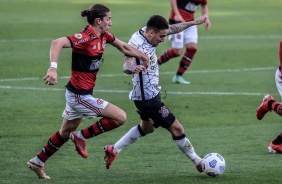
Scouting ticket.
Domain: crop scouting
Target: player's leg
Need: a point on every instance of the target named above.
(133, 135)
(275, 146)
(268, 103)
(52, 146)
(176, 50)
(190, 42)
(183, 143)
(90, 107)
(112, 117)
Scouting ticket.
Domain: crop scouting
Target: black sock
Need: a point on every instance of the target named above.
(278, 140)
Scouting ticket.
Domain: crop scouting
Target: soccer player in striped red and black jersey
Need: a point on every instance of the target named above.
(183, 11)
(88, 47)
(269, 104)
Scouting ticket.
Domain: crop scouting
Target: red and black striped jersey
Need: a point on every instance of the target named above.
(186, 9)
(87, 52)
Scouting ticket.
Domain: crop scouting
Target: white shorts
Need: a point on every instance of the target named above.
(80, 106)
(189, 35)
(278, 82)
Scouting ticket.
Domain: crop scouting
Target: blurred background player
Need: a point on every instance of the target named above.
(183, 11)
(146, 91)
(269, 104)
(87, 50)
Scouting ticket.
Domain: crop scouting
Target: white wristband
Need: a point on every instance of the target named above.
(53, 64)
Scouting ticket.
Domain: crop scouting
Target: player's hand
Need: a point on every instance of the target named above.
(207, 24)
(51, 76)
(201, 19)
(146, 60)
(138, 69)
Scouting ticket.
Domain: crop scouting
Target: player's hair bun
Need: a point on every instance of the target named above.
(85, 13)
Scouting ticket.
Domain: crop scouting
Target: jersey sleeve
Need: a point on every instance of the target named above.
(109, 37)
(134, 43)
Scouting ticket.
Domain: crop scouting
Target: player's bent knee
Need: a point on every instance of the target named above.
(178, 52)
(122, 119)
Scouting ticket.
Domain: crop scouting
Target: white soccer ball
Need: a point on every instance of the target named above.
(213, 164)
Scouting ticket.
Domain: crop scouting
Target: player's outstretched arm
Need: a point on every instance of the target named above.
(130, 66)
(176, 28)
(130, 51)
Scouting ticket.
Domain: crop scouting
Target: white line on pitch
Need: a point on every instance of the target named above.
(161, 73)
(126, 38)
(123, 91)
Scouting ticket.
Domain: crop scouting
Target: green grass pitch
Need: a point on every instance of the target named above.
(231, 72)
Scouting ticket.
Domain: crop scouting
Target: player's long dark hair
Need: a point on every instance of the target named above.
(157, 23)
(95, 11)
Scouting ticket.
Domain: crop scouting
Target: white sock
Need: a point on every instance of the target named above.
(130, 137)
(79, 135)
(187, 148)
(37, 161)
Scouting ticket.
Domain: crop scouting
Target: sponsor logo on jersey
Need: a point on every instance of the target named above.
(95, 64)
(78, 36)
(164, 111)
(81, 41)
(191, 7)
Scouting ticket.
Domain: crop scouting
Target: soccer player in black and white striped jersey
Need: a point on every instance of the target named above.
(146, 91)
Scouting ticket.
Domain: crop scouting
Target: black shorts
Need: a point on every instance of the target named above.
(155, 110)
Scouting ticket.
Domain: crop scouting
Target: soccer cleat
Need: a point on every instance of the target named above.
(275, 148)
(199, 168)
(263, 108)
(80, 145)
(179, 79)
(38, 169)
(110, 155)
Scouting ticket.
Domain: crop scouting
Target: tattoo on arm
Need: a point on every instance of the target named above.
(176, 28)
(129, 64)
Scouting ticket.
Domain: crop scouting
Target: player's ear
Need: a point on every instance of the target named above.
(151, 32)
(98, 21)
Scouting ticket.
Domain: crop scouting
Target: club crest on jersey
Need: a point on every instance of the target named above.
(78, 36)
(164, 111)
(100, 101)
(178, 36)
